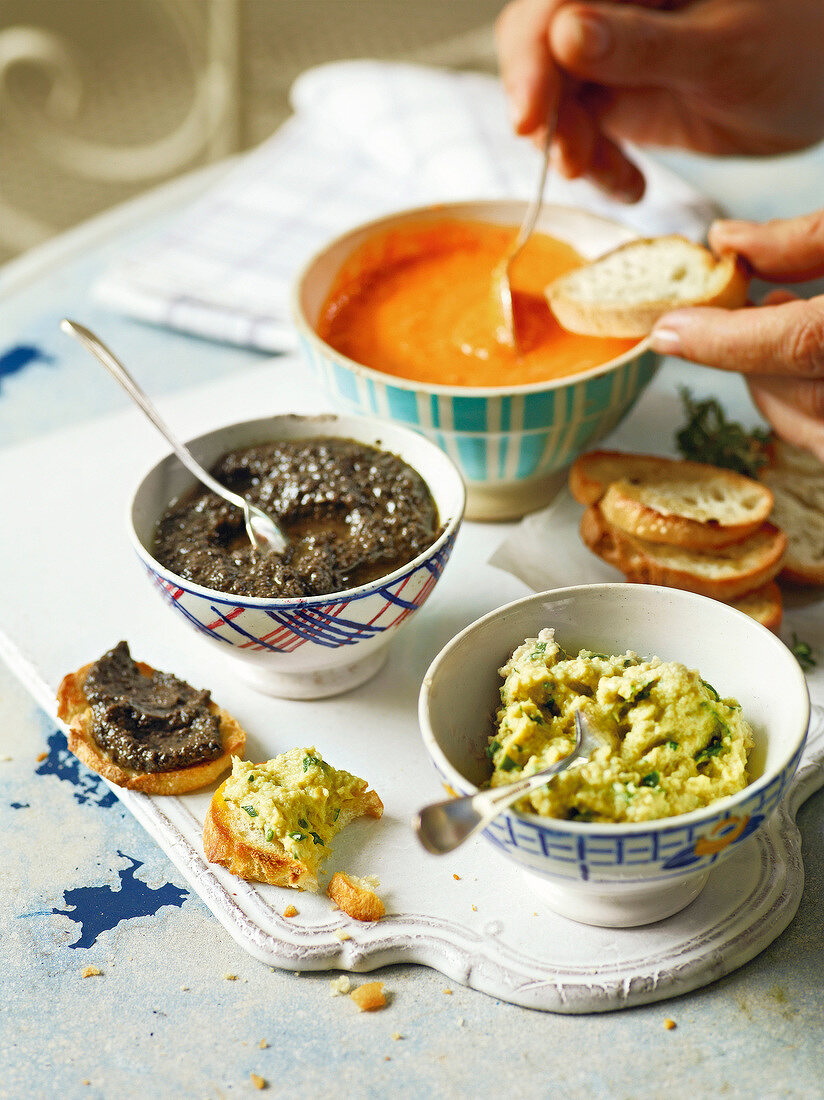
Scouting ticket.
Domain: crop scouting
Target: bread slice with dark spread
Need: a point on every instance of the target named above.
(73, 708)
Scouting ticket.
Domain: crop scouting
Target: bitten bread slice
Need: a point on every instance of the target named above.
(765, 605)
(688, 504)
(355, 897)
(73, 708)
(624, 292)
(274, 821)
(803, 525)
(726, 573)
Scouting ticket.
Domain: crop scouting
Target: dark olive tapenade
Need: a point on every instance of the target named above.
(351, 512)
(154, 723)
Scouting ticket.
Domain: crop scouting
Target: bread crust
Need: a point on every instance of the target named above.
(354, 898)
(593, 472)
(727, 277)
(622, 508)
(765, 605)
(637, 560)
(73, 709)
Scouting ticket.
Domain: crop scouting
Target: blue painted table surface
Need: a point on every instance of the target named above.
(179, 1009)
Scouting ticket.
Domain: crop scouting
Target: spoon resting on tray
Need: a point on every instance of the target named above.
(442, 826)
(264, 534)
(506, 332)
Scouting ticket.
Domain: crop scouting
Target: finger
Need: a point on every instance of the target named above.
(796, 415)
(784, 339)
(778, 297)
(628, 45)
(786, 250)
(528, 72)
(613, 172)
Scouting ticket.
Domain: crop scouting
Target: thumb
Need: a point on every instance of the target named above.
(629, 46)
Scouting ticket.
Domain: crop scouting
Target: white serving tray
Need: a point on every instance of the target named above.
(77, 590)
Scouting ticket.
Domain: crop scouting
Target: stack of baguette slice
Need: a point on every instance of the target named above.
(683, 525)
(796, 480)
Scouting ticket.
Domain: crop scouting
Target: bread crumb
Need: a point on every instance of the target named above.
(461, 1022)
(448, 991)
(457, 877)
(85, 1082)
(258, 1081)
(474, 908)
(396, 1035)
(339, 934)
(340, 985)
(386, 1058)
(263, 1044)
(42, 756)
(92, 972)
(669, 1024)
(355, 896)
(5, 759)
(290, 911)
(230, 977)
(184, 989)
(369, 997)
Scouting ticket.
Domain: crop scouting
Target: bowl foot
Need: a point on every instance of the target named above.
(315, 684)
(509, 500)
(619, 904)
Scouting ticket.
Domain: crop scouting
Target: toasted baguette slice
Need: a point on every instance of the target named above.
(592, 473)
(688, 504)
(237, 839)
(726, 573)
(624, 292)
(803, 524)
(765, 605)
(73, 708)
(355, 897)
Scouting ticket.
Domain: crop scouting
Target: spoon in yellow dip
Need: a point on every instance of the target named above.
(443, 826)
(263, 532)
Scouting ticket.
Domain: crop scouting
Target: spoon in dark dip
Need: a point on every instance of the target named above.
(443, 826)
(263, 532)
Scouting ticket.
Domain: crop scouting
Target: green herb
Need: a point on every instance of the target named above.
(492, 748)
(298, 836)
(651, 780)
(336, 815)
(574, 814)
(507, 764)
(308, 761)
(303, 823)
(550, 705)
(641, 692)
(712, 748)
(250, 810)
(803, 653)
(711, 690)
(673, 745)
(270, 834)
(251, 777)
(603, 656)
(316, 838)
(538, 651)
(709, 437)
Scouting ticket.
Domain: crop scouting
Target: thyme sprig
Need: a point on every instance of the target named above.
(708, 436)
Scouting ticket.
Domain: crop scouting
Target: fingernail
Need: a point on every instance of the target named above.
(591, 36)
(666, 340)
(730, 227)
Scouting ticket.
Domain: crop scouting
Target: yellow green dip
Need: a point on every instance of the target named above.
(671, 744)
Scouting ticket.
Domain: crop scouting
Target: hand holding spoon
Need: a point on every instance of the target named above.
(443, 826)
(263, 532)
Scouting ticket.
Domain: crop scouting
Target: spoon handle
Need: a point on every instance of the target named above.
(442, 826)
(110, 361)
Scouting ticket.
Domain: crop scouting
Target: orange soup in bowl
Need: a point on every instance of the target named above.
(417, 302)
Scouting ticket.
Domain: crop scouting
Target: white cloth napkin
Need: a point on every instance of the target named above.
(366, 138)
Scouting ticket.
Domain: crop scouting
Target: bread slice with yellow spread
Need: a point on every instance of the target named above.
(274, 822)
(624, 292)
(74, 709)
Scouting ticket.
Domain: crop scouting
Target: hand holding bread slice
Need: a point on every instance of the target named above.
(625, 291)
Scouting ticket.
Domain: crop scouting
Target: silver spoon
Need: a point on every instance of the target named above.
(443, 826)
(264, 533)
(501, 286)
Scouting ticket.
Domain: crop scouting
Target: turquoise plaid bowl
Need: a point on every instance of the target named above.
(511, 444)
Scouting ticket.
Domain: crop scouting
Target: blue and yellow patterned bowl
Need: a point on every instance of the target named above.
(625, 874)
(512, 444)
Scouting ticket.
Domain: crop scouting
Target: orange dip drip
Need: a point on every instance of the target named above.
(417, 302)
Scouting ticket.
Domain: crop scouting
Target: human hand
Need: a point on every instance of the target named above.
(714, 76)
(779, 345)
